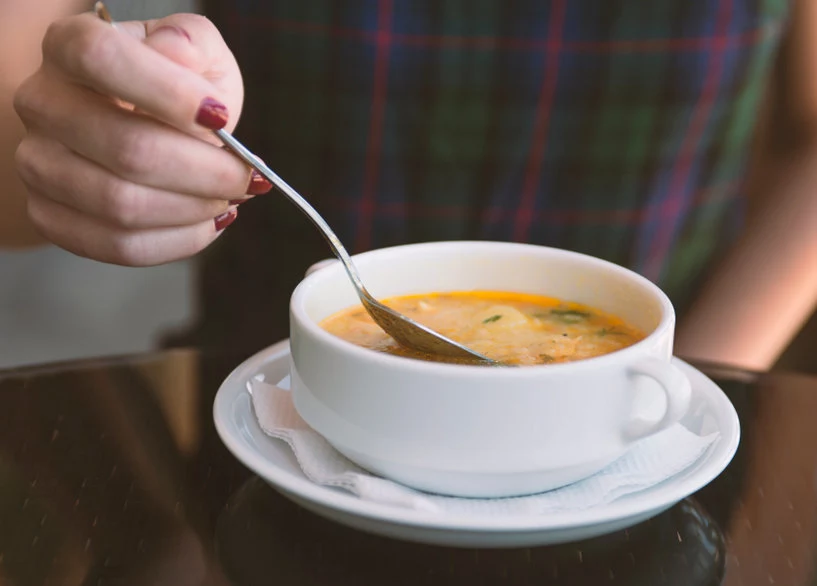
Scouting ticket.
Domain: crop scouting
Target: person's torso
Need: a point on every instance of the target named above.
(618, 129)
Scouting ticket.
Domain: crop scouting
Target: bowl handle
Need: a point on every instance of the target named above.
(320, 264)
(676, 387)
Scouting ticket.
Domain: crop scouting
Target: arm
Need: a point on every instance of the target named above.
(766, 287)
(22, 26)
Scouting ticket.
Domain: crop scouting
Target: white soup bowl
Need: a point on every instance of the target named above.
(480, 431)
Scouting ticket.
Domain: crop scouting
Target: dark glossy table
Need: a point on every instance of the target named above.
(111, 474)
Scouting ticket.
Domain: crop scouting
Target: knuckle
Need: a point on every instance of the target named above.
(24, 162)
(38, 215)
(230, 176)
(223, 180)
(127, 249)
(29, 101)
(55, 37)
(30, 166)
(134, 153)
(89, 52)
(121, 204)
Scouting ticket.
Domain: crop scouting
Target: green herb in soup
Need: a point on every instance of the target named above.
(514, 328)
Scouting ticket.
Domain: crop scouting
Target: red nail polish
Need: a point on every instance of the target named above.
(258, 184)
(223, 220)
(238, 202)
(174, 29)
(212, 114)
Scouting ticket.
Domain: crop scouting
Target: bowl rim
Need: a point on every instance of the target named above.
(350, 351)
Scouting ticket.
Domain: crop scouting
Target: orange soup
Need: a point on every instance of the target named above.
(514, 328)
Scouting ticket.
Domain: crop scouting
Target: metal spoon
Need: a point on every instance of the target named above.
(404, 330)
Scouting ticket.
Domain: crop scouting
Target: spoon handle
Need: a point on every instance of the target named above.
(334, 242)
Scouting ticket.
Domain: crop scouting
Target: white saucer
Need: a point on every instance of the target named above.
(273, 461)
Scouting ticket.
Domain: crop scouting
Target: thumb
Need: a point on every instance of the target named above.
(195, 43)
(170, 37)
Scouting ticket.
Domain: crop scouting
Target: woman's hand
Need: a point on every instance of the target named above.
(118, 158)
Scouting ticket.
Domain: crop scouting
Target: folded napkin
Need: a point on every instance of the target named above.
(647, 463)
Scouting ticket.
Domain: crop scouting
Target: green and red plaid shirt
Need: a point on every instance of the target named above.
(611, 127)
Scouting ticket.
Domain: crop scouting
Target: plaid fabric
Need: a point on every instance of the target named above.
(614, 128)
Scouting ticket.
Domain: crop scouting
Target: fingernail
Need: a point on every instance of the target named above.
(212, 114)
(238, 202)
(258, 184)
(223, 220)
(172, 29)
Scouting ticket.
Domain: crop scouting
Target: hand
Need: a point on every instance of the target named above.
(118, 159)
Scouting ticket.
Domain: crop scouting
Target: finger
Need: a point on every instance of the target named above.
(89, 237)
(49, 168)
(100, 57)
(131, 145)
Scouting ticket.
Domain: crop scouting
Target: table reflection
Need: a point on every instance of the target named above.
(111, 473)
(260, 537)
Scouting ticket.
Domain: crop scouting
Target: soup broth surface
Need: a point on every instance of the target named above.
(514, 328)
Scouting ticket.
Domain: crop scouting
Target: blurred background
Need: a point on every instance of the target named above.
(55, 306)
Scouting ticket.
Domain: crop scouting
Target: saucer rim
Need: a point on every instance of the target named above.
(661, 496)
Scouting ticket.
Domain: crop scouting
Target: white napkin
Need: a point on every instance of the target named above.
(647, 463)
